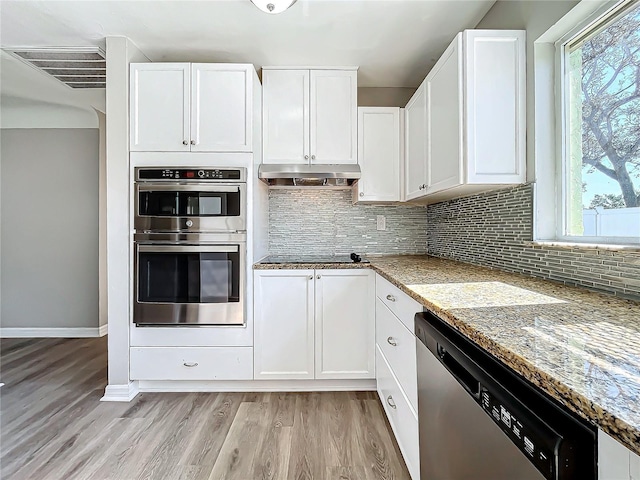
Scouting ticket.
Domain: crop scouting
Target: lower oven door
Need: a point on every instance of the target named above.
(190, 284)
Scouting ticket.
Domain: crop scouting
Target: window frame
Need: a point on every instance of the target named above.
(607, 13)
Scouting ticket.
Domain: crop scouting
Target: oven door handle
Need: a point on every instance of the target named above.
(189, 248)
(189, 188)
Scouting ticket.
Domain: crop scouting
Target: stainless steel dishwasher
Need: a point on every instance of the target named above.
(479, 420)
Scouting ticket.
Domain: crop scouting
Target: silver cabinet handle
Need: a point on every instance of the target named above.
(313, 157)
(362, 194)
(391, 298)
(318, 277)
(184, 142)
(392, 341)
(310, 277)
(190, 364)
(306, 157)
(390, 402)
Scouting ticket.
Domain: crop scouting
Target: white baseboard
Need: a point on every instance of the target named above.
(80, 332)
(256, 385)
(120, 393)
(103, 330)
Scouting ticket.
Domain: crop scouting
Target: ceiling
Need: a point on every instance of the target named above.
(395, 42)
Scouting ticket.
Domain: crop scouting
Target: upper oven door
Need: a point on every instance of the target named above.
(190, 207)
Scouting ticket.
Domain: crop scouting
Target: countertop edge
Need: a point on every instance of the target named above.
(617, 428)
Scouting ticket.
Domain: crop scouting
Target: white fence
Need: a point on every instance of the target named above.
(614, 222)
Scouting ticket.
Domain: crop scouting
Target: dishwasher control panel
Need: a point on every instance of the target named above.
(523, 435)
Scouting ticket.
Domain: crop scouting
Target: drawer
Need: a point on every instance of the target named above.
(399, 348)
(402, 305)
(192, 363)
(402, 418)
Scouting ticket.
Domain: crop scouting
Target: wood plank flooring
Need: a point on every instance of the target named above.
(53, 427)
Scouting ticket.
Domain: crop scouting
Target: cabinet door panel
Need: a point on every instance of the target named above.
(415, 128)
(495, 106)
(345, 324)
(444, 120)
(221, 108)
(285, 116)
(334, 110)
(159, 107)
(379, 154)
(283, 324)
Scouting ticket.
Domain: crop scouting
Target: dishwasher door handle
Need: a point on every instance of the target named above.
(464, 377)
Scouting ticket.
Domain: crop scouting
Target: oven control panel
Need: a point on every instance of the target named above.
(190, 174)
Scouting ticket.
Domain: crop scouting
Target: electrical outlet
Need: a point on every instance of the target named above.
(381, 222)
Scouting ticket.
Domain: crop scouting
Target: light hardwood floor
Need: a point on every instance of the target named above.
(53, 426)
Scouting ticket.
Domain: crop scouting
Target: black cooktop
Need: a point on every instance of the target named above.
(280, 259)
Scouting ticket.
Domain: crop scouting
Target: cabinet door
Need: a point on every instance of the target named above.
(159, 107)
(415, 129)
(444, 120)
(345, 324)
(379, 154)
(334, 110)
(613, 459)
(221, 107)
(495, 106)
(285, 116)
(283, 338)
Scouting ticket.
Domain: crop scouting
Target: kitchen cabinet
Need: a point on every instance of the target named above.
(396, 367)
(314, 324)
(379, 155)
(474, 138)
(415, 130)
(191, 107)
(309, 116)
(615, 461)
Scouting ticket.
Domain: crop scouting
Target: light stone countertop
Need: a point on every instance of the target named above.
(579, 346)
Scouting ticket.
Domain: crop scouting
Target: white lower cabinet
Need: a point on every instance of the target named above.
(403, 420)
(314, 324)
(191, 363)
(615, 461)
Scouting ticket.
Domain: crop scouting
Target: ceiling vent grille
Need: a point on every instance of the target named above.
(77, 67)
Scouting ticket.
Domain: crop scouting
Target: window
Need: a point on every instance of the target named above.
(600, 143)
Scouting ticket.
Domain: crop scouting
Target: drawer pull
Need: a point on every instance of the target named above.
(390, 402)
(391, 298)
(190, 364)
(392, 341)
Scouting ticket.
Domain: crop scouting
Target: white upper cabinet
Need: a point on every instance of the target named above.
(444, 120)
(221, 107)
(379, 155)
(475, 118)
(334, 110)
(309, 116)
(199, 107)
(285, 116)
(415, 127)
(160, 107)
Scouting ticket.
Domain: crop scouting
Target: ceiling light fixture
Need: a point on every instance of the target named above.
(273, 6)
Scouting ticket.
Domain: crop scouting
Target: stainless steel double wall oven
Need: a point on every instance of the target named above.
(190, 246)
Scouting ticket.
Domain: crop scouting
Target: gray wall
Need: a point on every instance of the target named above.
(49, 228)
(495, 229)
(325, 222)
(384, 96)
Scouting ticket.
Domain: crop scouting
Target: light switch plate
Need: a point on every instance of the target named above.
(381, 222)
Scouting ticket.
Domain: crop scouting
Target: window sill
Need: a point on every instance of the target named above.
(586, 246)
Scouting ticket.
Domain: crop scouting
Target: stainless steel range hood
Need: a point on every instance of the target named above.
(309, 175)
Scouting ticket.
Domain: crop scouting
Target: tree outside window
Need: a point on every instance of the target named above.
(602, 169)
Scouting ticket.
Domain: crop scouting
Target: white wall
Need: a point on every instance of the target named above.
(120, 53)
(49, 229)
(536, 17)
(20, 112)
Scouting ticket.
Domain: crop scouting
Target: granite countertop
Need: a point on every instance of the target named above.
(581, 347)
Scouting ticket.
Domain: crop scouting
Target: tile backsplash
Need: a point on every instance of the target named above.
(325, 222)
(495, 229)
